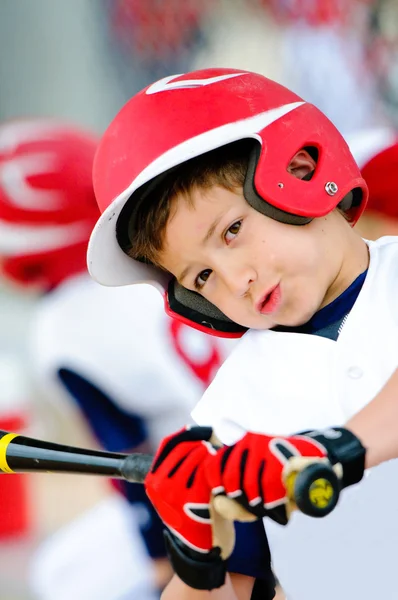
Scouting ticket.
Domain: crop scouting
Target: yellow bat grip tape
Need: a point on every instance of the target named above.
(4, 442)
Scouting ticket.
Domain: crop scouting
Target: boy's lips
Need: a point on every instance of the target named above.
(270, 301)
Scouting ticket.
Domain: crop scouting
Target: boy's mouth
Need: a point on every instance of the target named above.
(270, 302)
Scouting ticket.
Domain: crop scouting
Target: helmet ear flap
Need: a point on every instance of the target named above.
(260, 204)
(194, 307)
(351, 201)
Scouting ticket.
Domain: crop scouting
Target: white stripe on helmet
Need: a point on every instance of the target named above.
(167, 83)
(18, 240)
(13, 181)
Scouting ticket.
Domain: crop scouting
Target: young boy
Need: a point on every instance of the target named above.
(237, 198)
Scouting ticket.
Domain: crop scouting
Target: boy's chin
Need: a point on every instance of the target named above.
(259, 323)
(297, 320)
(293, 319)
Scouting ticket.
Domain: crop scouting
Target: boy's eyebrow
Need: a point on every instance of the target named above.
(212, 228)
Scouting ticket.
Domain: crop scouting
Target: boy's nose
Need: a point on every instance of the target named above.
(238, 279)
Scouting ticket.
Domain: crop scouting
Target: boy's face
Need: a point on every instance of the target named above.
(257, 271)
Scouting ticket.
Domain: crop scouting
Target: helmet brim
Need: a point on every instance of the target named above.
(109, 265)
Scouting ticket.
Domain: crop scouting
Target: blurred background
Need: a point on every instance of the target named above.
(80, 61)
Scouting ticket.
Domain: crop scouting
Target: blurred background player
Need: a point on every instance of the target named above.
(113, 358)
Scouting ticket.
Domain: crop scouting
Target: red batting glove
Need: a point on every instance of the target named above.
(179, 491)
(252, 470)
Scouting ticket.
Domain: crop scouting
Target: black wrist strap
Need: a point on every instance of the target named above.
(198, 571)
(345, 448)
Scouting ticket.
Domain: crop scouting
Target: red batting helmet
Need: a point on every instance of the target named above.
(183, 116)
(47, 203)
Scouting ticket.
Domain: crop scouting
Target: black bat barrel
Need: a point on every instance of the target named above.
(23, 454)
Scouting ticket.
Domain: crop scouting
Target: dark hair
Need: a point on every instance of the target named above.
(144, 219)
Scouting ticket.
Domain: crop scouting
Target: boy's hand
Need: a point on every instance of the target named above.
(256, 470)
(198, 541)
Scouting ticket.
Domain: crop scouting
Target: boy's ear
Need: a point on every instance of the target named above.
(301, 164)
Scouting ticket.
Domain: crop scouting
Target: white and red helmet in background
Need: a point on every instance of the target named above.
(183, 116)
(47, 203)
(376, 152)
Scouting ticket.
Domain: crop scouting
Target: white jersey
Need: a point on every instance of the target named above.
(121, 341)
(282, 383)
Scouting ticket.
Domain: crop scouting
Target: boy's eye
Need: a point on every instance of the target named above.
(202, 278)
(232, 231)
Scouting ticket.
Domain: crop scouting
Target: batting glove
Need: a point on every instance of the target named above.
(256, 471)
(197, 540)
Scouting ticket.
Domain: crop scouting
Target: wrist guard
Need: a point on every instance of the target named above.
(197, 570)
(342, 447)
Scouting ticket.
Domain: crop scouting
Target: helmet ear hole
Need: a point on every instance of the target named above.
(303, 163)
(313, 152)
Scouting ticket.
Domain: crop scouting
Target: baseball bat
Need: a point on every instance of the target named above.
(313, 487)
(20, 454)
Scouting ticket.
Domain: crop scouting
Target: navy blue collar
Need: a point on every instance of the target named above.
(333, 312)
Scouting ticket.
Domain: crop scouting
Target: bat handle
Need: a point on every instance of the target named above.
(314, 489)
(135, 467)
